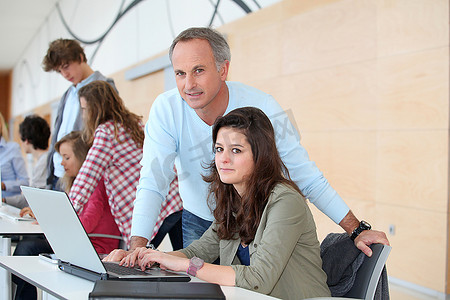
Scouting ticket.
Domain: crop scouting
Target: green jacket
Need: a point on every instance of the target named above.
(284, 256)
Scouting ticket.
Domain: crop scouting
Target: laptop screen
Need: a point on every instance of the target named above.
(63, 228)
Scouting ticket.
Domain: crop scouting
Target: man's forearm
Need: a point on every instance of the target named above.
(137, 241)
(349, 222)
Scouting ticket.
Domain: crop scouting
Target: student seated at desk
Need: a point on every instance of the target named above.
(34, 133)
(12, 166)
(96, 217)
(263, 231)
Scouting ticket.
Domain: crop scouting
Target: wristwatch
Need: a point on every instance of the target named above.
(195, 264)
(363, 225)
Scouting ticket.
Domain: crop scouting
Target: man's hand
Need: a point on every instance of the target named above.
(369, 237)
(365, 238)
(120, 254)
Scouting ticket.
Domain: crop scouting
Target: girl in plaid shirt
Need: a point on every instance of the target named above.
(116, 137)
(96, 217)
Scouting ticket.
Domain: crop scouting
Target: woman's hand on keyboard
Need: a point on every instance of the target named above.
(116, 255)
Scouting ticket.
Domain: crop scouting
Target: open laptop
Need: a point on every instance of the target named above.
(72, 246)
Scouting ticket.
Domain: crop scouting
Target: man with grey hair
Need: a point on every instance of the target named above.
(178, 132)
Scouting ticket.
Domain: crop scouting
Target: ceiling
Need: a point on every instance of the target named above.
(20, 20)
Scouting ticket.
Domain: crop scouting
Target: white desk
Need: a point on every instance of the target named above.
(7, 228)
(50, 279)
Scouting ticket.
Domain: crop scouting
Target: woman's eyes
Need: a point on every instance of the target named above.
(234, 150)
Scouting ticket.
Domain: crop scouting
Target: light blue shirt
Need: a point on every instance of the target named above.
(14, 171)
(174, 133)
(70, 113)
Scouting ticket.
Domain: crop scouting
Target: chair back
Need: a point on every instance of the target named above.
(369, 273)
(122, 244)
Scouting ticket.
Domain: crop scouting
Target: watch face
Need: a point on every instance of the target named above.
(197, 262)
(364, 225)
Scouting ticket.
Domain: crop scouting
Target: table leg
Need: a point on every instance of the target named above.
(5, 276)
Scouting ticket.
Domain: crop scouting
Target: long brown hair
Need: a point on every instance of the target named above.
(104, 104)
(233, 213)
(80, 150)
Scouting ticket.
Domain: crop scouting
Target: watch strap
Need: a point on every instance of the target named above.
(363, 225)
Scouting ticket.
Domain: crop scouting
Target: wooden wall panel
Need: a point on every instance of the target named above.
(406, 26)
(343, 35)
(412, 169)
(418, 253)
(264, 48)
(413, 90)
(353, 165)
(140, 93)
(337, 98)
(348, 161)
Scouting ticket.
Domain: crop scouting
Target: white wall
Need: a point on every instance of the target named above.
(144, 31)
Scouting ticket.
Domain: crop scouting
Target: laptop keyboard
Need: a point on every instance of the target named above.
(121, 270)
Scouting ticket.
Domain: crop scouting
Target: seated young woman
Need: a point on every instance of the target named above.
(96, 217)
(263, 231)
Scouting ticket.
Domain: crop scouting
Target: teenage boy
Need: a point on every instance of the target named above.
(67, 57)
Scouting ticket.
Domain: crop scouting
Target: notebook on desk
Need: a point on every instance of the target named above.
(72, 246)
(12, 213)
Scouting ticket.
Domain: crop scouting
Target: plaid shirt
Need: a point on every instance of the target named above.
(117, 160)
